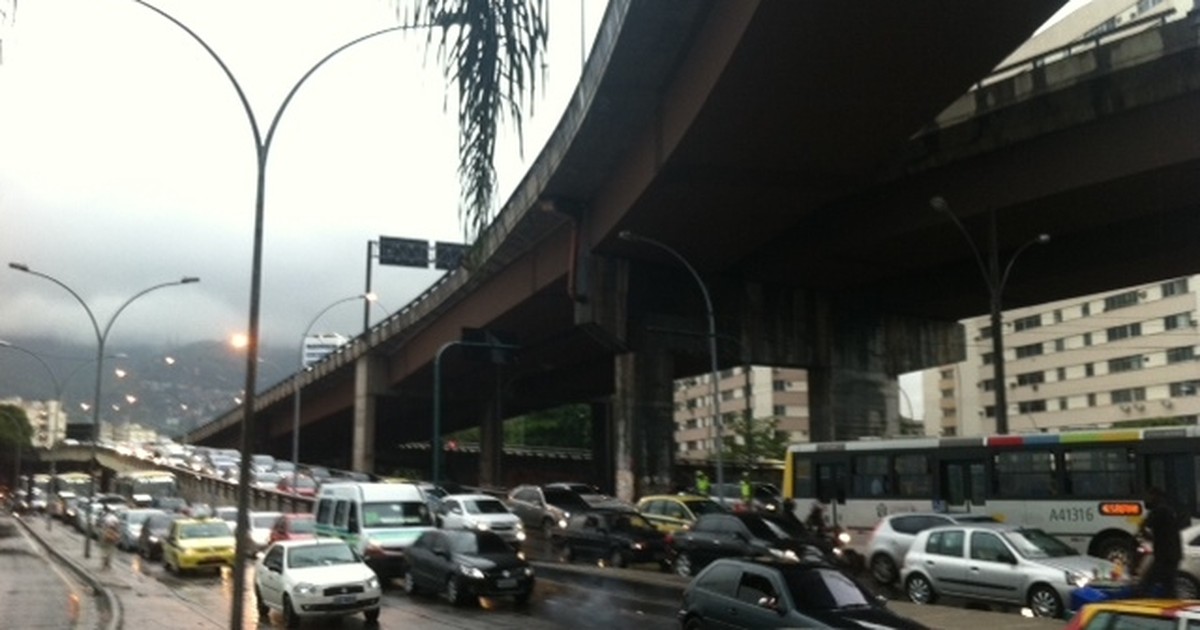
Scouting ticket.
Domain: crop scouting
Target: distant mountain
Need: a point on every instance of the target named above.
(170, 389)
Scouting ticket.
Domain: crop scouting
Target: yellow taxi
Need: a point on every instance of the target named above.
(198, 543)
(671, 513)
(1143, 614)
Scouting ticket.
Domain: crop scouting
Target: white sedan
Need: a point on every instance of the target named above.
(315, 579)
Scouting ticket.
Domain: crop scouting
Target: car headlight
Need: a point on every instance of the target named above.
(562, 523)
(844, 538)
(372, 583)
(483, 527)
(1076, 579)
(153, 540)
(637, 545)
(304, 588)
(786, 554)
(520, 525)
(471, 572)
(520, 535)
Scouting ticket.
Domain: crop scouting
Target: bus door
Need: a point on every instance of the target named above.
(831, 486)
(963, 484)
(1175, 475)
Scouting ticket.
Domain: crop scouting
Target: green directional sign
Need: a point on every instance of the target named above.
(406, 252)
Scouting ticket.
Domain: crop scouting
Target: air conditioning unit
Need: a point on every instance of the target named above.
(1142, 294)
(1034, 386)
(1193, 323)
(1126, 408)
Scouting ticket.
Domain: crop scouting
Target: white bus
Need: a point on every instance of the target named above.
(1085, 487)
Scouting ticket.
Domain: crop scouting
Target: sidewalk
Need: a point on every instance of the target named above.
(36, 591)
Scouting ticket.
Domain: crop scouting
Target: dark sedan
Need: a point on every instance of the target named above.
(715, 536)
(774, 593)
(154, 530)
(617, 537)
(463, 565)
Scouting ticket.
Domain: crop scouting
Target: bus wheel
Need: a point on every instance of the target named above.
(1117, 549)
(1186, 586)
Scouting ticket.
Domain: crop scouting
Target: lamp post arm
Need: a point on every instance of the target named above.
(983, 267)
(108, 327)
(39, 359)
(87, 309)
(1039, 240)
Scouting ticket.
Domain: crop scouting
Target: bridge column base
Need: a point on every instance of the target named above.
(370, 374)
(643, 423)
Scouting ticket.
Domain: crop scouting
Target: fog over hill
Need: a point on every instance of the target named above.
(168, 388)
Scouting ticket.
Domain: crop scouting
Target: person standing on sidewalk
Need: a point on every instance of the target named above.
(110, 533)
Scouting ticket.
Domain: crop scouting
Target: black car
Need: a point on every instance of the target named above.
(617, 537)
(463, 565)
(775, 593)
(715, 536)
(154, 530)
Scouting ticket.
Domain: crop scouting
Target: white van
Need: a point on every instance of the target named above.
(378, 520)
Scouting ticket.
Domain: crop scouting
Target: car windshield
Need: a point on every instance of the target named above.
(824, 589)
(630, 523)
(302, 526)
(478, 542)
(321, 555)
(213, 529)
(485, 506)
(704, 507)
(762, 528)
(267, 477)
(564, 499)
(1035, 543)
(395, 514)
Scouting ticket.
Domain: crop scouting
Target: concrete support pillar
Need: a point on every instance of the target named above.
(370, 378)
(602, 443)
(643, 423)
(491, 438)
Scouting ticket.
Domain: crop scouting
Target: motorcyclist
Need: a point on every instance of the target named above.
(816, 519)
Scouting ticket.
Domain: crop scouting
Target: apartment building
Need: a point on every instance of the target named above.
(47, 419)
(1111, 359)
(764, 392)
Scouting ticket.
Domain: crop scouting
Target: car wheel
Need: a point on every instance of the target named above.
(1044, 602)
(683, 565)
(410, 582)
(290, 618)
(454, 592)
(693, 623)
(617, 559)
(372, 615)
(1186, 587)
(263, 611)
(1118, 550)
(883, 569)
(565, 554)
(919, 590)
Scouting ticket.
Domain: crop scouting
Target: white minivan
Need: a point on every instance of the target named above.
(378, 520)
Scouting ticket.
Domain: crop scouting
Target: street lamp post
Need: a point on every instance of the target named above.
(101, 338)
(300, 368)
(718, 443)
(995, 279)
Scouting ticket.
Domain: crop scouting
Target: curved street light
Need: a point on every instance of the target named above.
(101, 338)
(368, 297)
(995, 279)
(718, 427)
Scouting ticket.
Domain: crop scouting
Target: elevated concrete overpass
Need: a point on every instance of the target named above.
(786, 150)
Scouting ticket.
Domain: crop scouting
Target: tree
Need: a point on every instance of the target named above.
(755, 439)
(493, 50)
(14, 427)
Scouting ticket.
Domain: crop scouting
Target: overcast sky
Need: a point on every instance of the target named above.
(126, 160)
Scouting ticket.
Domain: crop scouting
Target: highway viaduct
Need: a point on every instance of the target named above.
(789, 151)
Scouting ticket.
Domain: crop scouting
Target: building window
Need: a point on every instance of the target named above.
(779, 386)
(1131, 394)
(947, 393)
(987, 358)
(985, 332)
(1062, 373)
(779, 410)
(1185, 388)
(1031, 378)
(1025, 323)
(1179, 320)
(1124, 332)
(1030, 350)
(1060, 344)
(1125, 364)
(1062, 403)
(1091, 398)
(1178, 355)
(1085, 309)
(989, 411)
(1058, 316)
(947, 374)
(1121, 300)
(1087, 339)
(1179, 286)
(1031, 406)
(1089, 369)
(989, 385)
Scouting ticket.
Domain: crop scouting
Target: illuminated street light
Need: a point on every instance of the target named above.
(995, 279)
(101, 338)
(718, 425)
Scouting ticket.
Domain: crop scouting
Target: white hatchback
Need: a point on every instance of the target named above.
(318, 578)
(481, 512)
